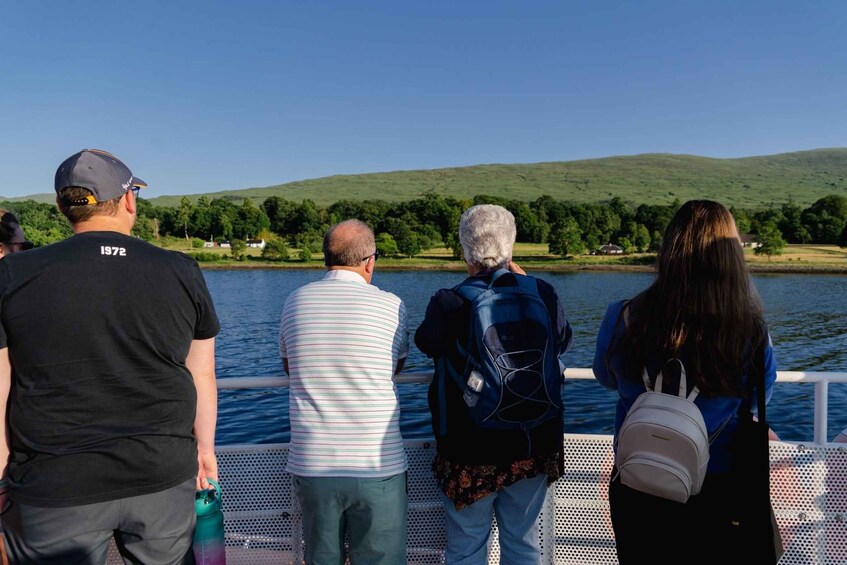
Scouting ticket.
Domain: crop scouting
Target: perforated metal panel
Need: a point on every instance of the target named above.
(583, 528)
(808, 487)
(809, 496)
(260, 514)
(426, 535)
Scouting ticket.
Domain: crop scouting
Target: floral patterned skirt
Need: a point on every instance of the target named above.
(465, 484)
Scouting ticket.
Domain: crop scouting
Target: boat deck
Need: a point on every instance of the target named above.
(808, 490)
(262, 518)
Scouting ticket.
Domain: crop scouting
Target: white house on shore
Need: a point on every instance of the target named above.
(611, 249)
(257, 243)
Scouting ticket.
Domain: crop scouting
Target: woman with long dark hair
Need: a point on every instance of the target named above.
(702, 309)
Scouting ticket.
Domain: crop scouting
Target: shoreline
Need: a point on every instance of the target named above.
(755, 268)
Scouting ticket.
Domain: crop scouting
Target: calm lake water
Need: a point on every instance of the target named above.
(807, 315)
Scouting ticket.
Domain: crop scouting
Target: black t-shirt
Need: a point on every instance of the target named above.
(457, 438)
(102, 405)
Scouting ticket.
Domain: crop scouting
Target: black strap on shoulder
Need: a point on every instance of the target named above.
(761, 406)
(756, 385)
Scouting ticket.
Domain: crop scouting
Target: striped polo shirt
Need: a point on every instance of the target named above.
(343, 338)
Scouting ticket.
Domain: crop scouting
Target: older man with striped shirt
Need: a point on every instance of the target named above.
(342, 340)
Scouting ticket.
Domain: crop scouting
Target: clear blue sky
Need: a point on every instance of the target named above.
(205, 96)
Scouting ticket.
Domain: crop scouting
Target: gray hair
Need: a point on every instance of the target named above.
(487, 234)
(347, 243)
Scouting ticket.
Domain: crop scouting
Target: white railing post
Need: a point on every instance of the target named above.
(821, 409)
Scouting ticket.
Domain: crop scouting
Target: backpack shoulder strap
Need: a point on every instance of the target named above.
(497, 274)
(471, 290)
(528, 284)
(683, 383)
(646, 378)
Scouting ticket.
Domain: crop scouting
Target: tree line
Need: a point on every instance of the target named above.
(407, 228)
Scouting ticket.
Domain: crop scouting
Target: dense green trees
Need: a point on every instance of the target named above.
(275, 250)
(566, 239)
(408, 228)
(184, 214)
(825, 218)
(770, 241)
(791, 224)
(42, 222)
(386, 245)
(238, 249)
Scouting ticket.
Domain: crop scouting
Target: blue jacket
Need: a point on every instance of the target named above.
(715, 410)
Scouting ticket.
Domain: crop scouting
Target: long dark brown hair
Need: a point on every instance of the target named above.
(702, 300)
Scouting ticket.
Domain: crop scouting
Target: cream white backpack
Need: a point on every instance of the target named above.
(663, 443)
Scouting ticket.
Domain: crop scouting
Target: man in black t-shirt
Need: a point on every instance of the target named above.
(107, 372)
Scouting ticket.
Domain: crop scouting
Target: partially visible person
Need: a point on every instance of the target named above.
(342, 340)
(483, 472)
(703, 309)
(107, 377)
(12, 238)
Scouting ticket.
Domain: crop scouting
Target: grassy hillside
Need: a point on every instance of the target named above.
(749, 182)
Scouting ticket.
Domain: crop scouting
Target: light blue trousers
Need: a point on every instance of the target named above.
(371, 511)
(516, 507)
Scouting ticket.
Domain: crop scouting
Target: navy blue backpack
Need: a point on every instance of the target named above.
(512, 378)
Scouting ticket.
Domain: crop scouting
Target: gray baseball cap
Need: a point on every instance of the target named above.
(106, 176)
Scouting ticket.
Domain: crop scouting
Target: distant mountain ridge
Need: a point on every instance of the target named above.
(653, 178)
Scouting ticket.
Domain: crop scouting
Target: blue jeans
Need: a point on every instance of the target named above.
(371, 511)
(517, 508)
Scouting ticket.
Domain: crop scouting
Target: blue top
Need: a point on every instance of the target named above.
(715, 410)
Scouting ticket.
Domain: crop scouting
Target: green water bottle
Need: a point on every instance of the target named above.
(209, 548)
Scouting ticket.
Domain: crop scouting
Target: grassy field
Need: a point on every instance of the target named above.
(750, 182)
(660, 178)
(795, 258)
(812, 258)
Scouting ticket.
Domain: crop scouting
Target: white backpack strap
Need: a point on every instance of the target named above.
(694, 392)
(646, 378)
(683, 384)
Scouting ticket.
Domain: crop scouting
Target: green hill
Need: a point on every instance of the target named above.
(749, 182)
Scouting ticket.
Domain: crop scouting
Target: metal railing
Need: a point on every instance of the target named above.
(821, 380)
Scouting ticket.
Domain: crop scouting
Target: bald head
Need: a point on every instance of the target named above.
(346, 244)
